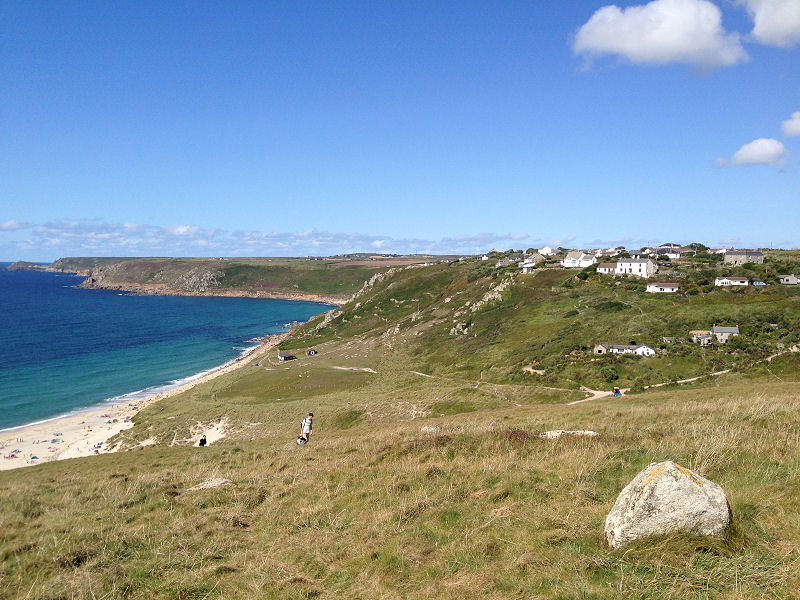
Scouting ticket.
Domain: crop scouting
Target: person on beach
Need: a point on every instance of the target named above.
(305, 426)
(203, 441)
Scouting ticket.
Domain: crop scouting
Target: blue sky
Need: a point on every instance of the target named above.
(214, 128)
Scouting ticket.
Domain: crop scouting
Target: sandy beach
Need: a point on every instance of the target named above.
(86, 433)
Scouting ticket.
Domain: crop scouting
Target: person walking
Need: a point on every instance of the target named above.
(203, 441)
(306, 425)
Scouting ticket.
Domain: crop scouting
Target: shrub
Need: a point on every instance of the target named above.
(609, 373)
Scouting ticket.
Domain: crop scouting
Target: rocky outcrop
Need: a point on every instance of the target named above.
(667, 498)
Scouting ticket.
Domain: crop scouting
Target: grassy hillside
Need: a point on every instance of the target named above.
(335, 278)
(425, 477)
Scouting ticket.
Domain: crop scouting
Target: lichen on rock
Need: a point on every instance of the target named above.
(666, 498)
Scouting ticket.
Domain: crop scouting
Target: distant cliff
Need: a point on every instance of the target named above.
(330, 280)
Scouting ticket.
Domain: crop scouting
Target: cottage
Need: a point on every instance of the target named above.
(731, 281)
(600, 349)
(789, 279)
(530, 262)
(740, 257)
(577, 259)
(662, 288)
(703, 336)
(286, 356)
(723, 333)
(637, 349)
(640, 267)
(607, 268)
(546, 251)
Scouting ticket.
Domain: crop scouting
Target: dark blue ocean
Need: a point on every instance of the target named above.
(63, 349)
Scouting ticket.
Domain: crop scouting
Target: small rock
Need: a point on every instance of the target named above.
(214, 482)
(667, 498)
(557, 433)
(431, 429)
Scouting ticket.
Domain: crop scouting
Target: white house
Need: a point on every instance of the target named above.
(662, 288)
(640, 267)
(530, 262)
(577, 259)
(607, 268)
(731, 281)
(789, 279)
(637, 349)
(546, 251)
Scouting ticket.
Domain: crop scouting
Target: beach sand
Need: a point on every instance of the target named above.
(86, 433)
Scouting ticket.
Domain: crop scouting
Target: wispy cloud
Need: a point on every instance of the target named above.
(12, 225)
(99, 238)
(763, 151)
(661, 32)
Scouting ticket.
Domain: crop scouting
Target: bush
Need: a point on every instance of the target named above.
(609, 373)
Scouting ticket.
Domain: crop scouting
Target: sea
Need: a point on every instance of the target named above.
(64, 349)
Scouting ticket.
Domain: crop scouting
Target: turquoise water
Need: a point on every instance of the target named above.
(63, 349)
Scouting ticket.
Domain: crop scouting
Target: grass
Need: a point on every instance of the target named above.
(479, 507)
(425, 476)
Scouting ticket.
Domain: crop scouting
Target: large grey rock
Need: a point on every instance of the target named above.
(667, 498)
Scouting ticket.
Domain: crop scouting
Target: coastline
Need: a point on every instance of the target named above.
(150, 290)
(85, 433)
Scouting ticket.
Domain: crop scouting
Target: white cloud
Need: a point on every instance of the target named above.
(12, 225)
(763, 151)
(98, 238)
(775, 22)
(791, 126)
(661, 32)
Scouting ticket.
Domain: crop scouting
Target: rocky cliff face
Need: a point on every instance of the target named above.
(119, 276)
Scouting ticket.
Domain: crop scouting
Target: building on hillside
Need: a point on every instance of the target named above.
(703, 336)
(607, 268)
(789, 279)
(640, 267)
(668, 246)
(740, 257)
(530, 262)
(724, 333)
(637, 349)
(731, 281)
(662, 288)
(546, 251)
(672, 254)
(577, 259)
(286, 356)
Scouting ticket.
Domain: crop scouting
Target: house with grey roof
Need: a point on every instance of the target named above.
(740, 257)
(723, 333)
(640, 267)
(578, 259)
(607, 268)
